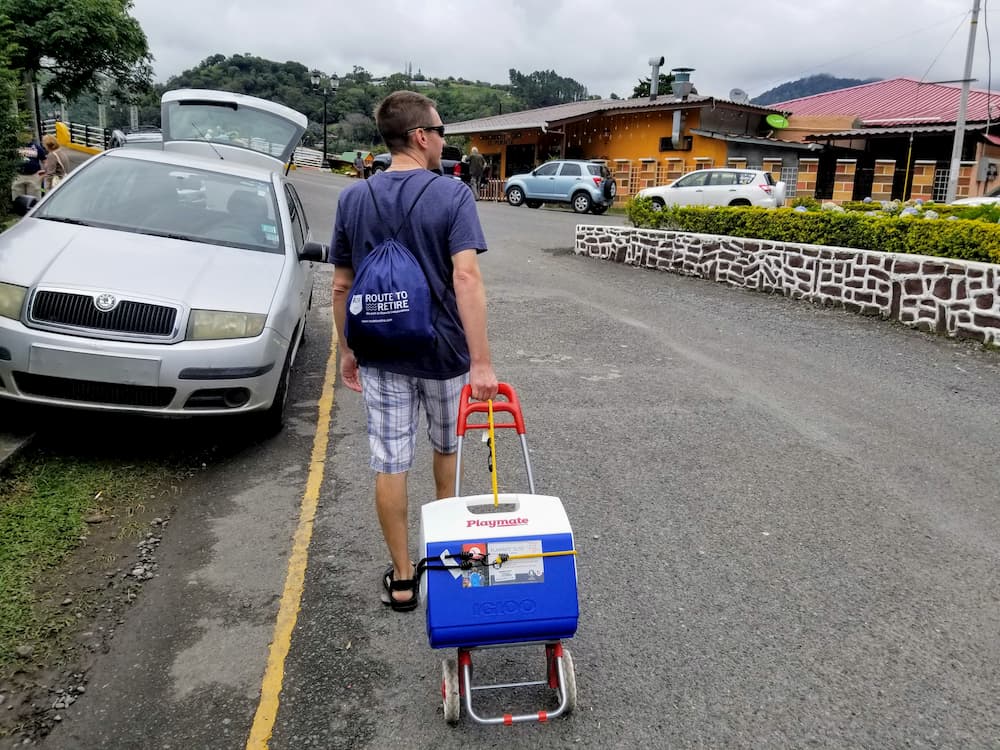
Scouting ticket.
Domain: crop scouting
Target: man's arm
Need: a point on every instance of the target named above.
(343, 277)
(471, 297)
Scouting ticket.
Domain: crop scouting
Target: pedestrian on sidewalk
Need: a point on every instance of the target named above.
(30, 168)
(436, 219)
(476, 164)
(55, 164)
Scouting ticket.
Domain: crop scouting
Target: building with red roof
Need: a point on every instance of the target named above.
(910, 122)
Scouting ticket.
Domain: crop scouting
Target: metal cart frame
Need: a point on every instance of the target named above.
(457, 685)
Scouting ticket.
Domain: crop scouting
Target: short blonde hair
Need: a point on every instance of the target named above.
(50, 142)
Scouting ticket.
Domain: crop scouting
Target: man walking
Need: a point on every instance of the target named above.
(476, 165)
(359, 165)
(436, 220)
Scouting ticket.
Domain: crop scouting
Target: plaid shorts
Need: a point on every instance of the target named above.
(392, 406)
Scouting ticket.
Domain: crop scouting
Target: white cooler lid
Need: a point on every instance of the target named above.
(519, 515)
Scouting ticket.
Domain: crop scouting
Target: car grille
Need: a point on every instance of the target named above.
(79, 311)
(93, 392)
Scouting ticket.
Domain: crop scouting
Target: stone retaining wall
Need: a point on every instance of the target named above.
(959, 298)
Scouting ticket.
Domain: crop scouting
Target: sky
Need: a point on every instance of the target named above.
(603, 45)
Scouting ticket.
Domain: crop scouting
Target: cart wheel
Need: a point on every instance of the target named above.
(449, 690)
(569, 681)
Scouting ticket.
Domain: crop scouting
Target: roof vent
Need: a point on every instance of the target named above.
(682, 85)
(654, 79)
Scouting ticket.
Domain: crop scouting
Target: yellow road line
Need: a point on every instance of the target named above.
(291, 597)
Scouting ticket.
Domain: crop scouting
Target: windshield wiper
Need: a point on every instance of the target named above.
(68, 220)
(168, 235)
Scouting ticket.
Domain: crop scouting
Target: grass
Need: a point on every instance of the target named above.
(44, 500)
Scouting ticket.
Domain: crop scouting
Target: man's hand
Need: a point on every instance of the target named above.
(483, 381)
(349, 371)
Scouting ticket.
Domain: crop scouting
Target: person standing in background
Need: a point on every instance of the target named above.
(476, 164)
(27, 180)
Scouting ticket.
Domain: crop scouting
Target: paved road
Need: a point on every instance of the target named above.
(787, 522)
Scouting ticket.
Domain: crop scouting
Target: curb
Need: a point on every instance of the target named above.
(11, 445)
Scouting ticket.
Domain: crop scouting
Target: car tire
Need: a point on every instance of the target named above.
(270, 422)
(377, 169)
(610, 189)
(533, 204)
(515, 196)
(740, 202)
(658, 204)
(598, 210)
(582, 203)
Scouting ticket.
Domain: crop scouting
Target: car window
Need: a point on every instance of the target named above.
(299, 226)
(547, 170)
(745, 178)
(210, 121)
(167, 200)
(695, 179)
(570, 170)
(724, 178)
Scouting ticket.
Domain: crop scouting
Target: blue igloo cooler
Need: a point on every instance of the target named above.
(531, 599)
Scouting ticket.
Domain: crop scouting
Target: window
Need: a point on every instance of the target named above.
(570, 170)
(724, 178)
(695, 179)
(547, 170)
(300, 227)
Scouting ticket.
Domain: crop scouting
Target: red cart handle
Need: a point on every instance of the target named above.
(512, 406)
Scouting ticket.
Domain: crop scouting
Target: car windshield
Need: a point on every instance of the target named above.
(149, 197)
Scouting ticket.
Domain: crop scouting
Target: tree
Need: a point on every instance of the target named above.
(74, 42)
(544, 88)
(641, 91)
(9, 125)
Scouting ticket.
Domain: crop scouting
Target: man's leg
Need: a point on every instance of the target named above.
(391, 505)
(444, 474)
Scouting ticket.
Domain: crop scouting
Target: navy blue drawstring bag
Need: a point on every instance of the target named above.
(390, 303)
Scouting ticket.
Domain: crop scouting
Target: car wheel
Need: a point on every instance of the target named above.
(377, 169)
(658, 204)
(533, 204)
(610, 189)
(271, 422)
(739, 202)
(515, 196)
(598, 210)
(582, 203)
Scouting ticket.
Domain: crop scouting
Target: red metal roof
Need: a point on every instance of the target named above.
(897, 101)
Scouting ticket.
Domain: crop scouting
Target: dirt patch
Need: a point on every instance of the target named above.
(78, 606)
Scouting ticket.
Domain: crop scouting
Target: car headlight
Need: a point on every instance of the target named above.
(213, 324)
(11, 300)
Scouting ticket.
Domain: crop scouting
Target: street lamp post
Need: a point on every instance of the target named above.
(326, 85)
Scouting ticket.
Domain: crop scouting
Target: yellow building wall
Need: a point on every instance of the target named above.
(629, 143)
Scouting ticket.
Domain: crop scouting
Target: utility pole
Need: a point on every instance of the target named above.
(963, 105)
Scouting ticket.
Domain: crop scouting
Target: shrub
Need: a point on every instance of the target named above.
(962, 239)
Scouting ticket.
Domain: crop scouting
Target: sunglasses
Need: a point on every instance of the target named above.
(439, 129)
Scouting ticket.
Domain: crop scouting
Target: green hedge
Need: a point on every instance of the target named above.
(963, 239)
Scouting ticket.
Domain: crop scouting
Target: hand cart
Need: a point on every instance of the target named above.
(500, 572)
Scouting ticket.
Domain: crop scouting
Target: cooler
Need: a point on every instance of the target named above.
(531, 598)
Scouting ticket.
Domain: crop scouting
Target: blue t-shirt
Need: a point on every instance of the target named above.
(443, 222)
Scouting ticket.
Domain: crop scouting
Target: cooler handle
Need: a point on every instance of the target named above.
(512, 406)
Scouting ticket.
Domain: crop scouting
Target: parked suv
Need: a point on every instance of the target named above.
(719, 187)
(585, 185)
(452, 164)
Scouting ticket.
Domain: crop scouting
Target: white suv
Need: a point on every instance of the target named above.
(719, 187)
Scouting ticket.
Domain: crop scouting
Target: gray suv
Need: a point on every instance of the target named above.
(585, 185)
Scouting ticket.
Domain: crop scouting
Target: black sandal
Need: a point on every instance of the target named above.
(391, 584)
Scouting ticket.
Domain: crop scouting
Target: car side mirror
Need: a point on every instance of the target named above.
(23, 204)
(314, 251)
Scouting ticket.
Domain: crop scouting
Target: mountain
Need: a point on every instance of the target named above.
(817, 84)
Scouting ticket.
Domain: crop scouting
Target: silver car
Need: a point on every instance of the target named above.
(171, 282)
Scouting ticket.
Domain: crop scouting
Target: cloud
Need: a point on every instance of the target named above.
(602, 46)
